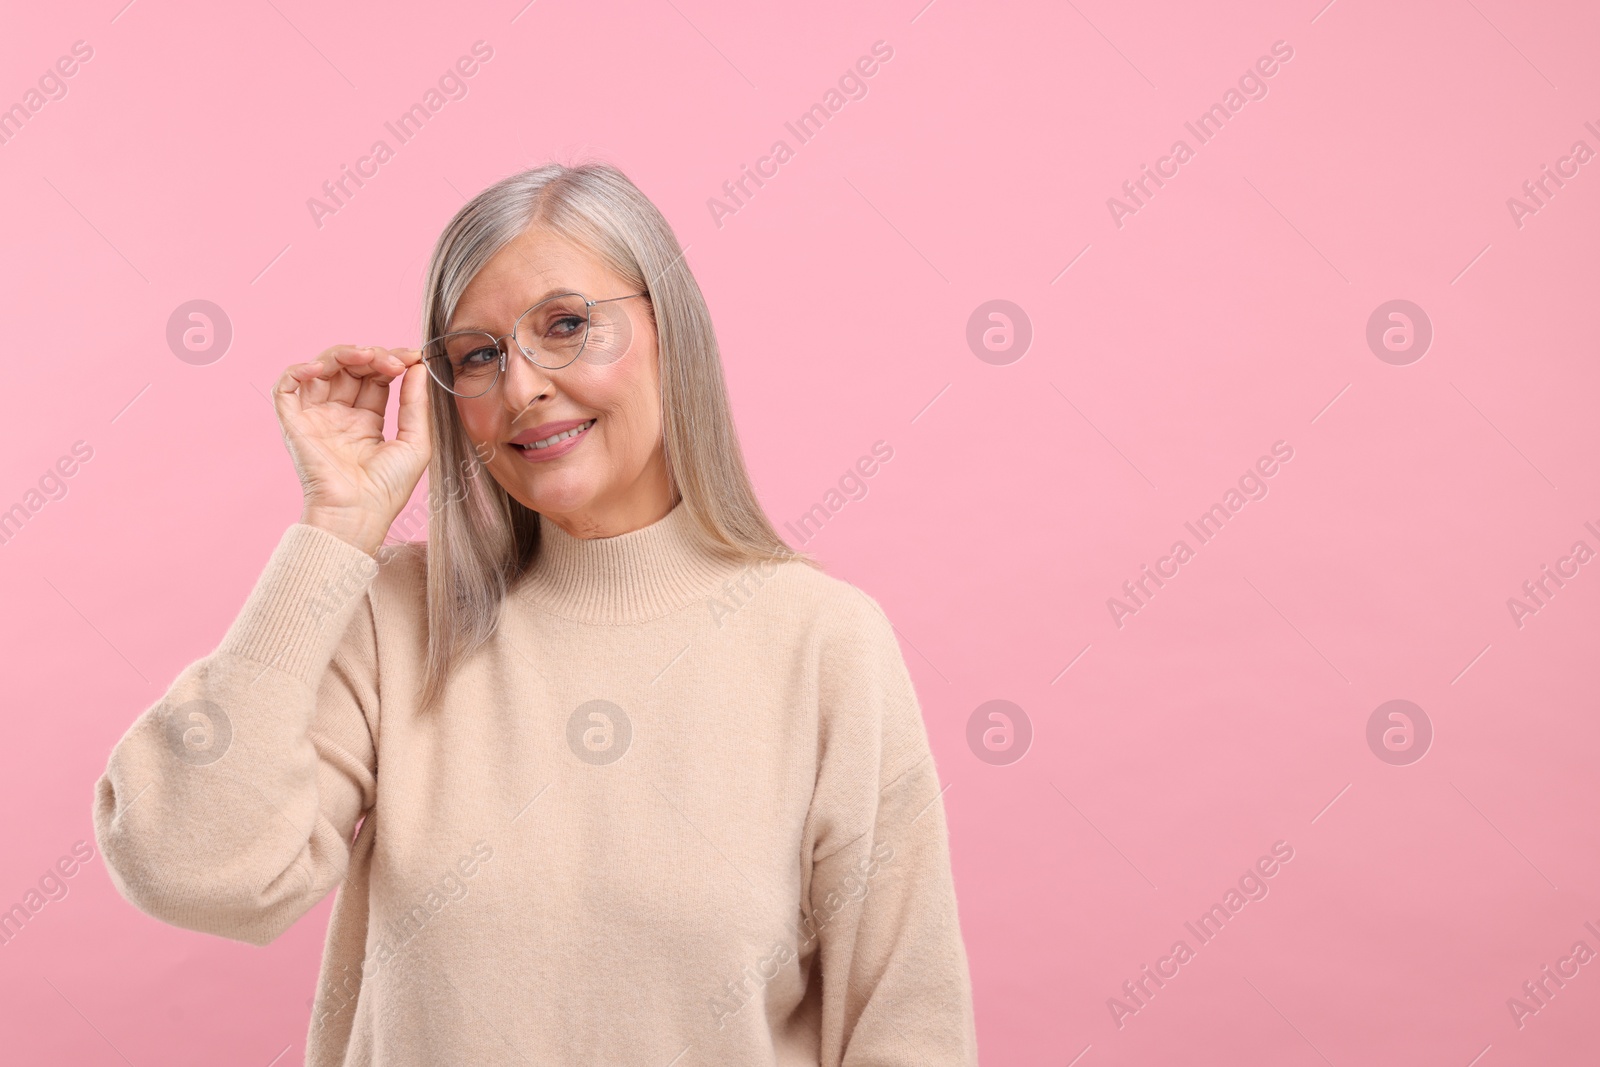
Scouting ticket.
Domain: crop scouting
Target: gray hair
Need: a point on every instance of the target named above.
(481, 541)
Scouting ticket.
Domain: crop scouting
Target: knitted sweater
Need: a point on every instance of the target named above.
(676, 811)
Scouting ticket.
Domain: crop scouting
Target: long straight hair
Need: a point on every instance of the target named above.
(481, 541)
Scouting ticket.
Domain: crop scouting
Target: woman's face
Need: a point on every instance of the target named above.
(611, 476)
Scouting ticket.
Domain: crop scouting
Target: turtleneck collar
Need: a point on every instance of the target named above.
(633, 577)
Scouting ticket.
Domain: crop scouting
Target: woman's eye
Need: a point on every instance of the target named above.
(479, 356)
(565, 326)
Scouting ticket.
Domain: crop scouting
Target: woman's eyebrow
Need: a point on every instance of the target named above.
(452, 327)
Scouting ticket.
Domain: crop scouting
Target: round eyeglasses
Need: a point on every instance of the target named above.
(551, 334)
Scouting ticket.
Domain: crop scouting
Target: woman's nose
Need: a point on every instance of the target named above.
(524, 381)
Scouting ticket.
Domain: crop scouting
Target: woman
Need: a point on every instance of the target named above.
(606, 774)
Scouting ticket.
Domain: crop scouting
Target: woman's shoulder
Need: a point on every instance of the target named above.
(828, 604)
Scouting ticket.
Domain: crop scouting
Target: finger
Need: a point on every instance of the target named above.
(335, 356)
(367, 360)
(358, 361)
(340, 374)
(286, 398)
(289, 381)
(314, 388)
(316, 375)
(374, 394)
(412, 424)
(296, 386)
(361, 367)
(343, 387)
(296, 375)
(394, 361)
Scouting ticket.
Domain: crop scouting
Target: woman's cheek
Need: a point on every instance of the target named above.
(485, 432)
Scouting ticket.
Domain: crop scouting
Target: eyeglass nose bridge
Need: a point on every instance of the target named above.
(588, 324)
(503, 348)
(503, 345)
(504, 342)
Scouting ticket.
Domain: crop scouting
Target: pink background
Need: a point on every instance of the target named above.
(1227, 314)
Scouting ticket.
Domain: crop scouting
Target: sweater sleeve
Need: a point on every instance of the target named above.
(881, 897)
(228, 806)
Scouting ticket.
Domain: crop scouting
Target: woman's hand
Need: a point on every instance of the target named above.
(331, 410)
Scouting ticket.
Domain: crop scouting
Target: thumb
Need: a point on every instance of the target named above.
(412, 424)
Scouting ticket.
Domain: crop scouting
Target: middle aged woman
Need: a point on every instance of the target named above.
(604, 773)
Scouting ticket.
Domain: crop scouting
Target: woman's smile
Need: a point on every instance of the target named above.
(551, 439)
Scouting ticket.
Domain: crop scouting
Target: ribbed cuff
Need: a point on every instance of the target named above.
(302, 604)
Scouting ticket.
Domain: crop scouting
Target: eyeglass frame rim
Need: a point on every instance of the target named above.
(503, 349)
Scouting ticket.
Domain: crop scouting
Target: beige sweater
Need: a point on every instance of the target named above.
(677, 812)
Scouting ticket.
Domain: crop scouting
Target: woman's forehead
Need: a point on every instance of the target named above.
(486, 307)
(534, 266)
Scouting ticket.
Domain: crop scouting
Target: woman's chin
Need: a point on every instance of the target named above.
(554, 491)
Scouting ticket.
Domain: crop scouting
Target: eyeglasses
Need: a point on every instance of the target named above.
(551, 334)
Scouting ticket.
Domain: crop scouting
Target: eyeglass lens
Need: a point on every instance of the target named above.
(551, 334)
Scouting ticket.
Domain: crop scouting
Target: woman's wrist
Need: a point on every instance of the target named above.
(355, 528)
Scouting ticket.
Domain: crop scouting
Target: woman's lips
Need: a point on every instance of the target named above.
(535, 454)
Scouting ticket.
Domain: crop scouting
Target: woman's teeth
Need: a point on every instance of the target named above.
(558, 438)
